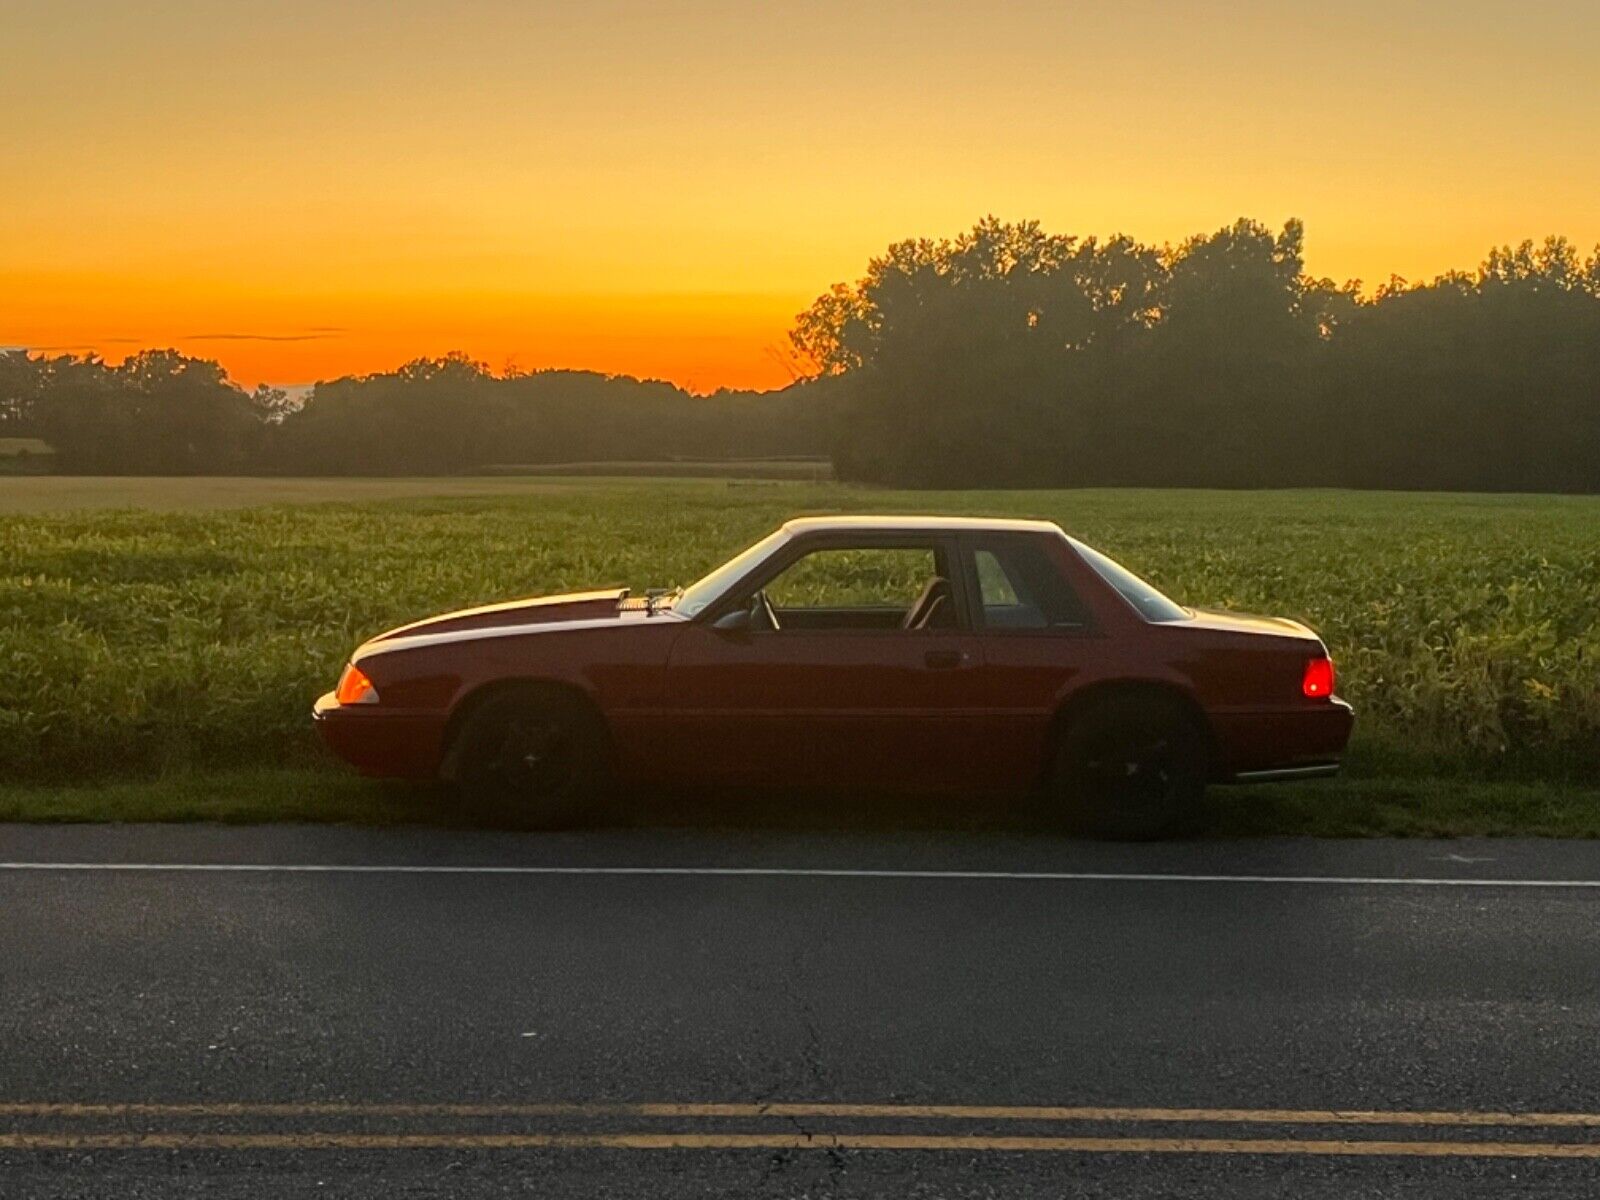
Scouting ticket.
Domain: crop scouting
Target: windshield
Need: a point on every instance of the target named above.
(1152, 605)
(697, 595)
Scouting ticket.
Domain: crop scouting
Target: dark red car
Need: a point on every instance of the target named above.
(879, 652)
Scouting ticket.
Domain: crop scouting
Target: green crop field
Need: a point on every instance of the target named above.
(162, 639)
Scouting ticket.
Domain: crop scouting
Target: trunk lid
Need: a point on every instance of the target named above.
(1232, 622)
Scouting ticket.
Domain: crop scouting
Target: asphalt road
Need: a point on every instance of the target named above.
(756, 1014)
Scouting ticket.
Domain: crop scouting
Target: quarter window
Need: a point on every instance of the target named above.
(993, 583)
(1021, 587)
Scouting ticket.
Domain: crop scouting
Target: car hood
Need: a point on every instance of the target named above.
(537, 610)
(1232, 622)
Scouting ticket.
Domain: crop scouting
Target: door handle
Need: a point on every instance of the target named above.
(943, 660)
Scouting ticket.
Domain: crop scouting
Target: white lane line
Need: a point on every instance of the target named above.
(786, 872)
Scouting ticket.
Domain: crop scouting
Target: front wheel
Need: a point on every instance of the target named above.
(542, 754)
(1131, 768)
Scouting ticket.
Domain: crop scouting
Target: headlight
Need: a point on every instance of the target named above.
(354, 687)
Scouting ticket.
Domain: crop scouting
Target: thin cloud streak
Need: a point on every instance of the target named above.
(312, 335)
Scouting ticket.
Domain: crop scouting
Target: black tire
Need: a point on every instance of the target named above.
(544, 754)
(1131, 768)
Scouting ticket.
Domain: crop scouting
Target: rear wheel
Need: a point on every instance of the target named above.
(1132, 767)
(542, 753)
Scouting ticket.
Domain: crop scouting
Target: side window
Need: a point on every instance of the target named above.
(874, 587)
(1020, 587)
(869, 578)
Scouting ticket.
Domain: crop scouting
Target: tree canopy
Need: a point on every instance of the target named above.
(1009, 356)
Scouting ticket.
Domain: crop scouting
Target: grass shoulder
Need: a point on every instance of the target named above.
(1375, 806)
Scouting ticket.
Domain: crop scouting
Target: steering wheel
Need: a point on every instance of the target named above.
(767, 611)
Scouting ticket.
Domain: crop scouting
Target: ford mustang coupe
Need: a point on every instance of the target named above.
(865, 652)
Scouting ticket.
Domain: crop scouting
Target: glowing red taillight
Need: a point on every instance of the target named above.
(1318, 679)
(355, 688)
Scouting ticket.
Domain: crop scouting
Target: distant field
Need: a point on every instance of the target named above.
(802, 469)
(192, 632)
(51, 493)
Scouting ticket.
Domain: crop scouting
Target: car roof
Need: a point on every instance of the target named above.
(919, 524)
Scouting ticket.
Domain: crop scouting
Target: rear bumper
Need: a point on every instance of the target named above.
(1299, 743)
(1284, 774)
(385, 745)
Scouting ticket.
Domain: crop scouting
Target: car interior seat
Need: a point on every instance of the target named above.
(933, 609)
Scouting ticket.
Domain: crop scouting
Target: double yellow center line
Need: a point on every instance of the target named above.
(776, 1126)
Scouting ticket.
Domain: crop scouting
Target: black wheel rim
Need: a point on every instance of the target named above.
(1137, 771)
(532, 757)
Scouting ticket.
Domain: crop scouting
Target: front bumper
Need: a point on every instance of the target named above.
(381, 743)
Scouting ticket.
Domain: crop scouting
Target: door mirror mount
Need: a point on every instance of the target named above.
(739, 620)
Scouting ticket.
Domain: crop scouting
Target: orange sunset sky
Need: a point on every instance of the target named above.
(304, 190)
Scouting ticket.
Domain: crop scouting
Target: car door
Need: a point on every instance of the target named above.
(841, 691)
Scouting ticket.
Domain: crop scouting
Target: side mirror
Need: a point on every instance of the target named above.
(737, 621)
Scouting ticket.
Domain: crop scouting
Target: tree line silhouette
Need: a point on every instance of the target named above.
(1005, 357)
(162, 413)
(1011, 356)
